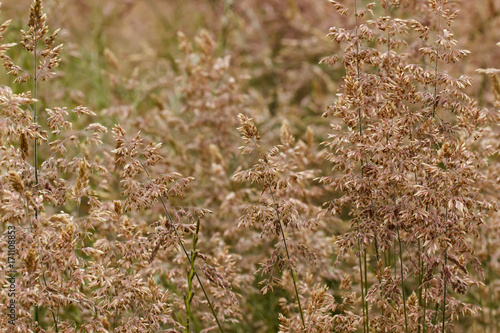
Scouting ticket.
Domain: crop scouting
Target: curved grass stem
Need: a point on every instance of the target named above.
(294, 276)
(183, 247)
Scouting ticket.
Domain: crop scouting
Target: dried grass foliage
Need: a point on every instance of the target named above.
(199, 189)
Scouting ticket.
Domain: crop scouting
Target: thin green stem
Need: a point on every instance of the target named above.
(51, 310)
(35, 166)
(375, 234)
(388, 257)
(366, 294)
(402, 282)
(294, 276)
(358, 76)
(35, 119)
(189, 298)
(444, 274)
(362, 289)
(395, 258)
(425, 308)
(490, 274)
(436, 70)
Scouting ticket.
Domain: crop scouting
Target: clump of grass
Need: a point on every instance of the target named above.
(189, 298)
(394, 145)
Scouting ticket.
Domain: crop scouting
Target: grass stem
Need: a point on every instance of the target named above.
(402, 281)
(366, 294)
(362, 288)
(444, 289)
(294, 276)
(183, 247)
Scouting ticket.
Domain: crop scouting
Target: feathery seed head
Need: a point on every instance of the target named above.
(16, 181)
(249, 134)
(248, 129)
(36, 14)
(31, 260)
(309, 137)
(446, 150)
(346, 283)
(68, 231)
(37, 25)
(496, 87)
(111, 59)
(83, 178)
(23, 144)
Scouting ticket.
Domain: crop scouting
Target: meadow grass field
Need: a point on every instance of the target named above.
(250, 166)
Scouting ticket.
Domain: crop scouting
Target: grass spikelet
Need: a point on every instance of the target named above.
(23, 145)
(16, 181)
